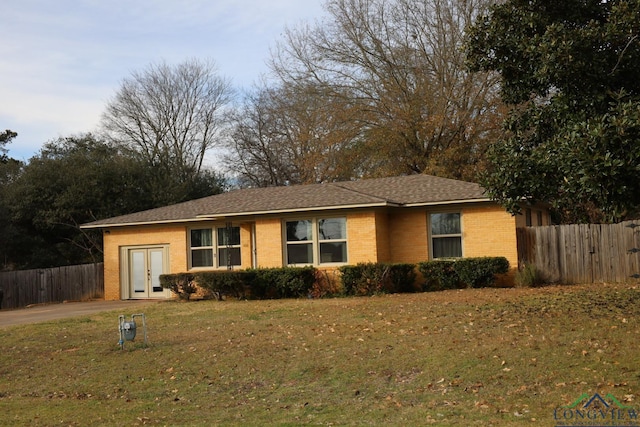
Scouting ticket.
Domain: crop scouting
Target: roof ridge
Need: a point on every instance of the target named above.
(338, 184)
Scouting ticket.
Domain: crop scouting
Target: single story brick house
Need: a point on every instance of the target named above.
(399, 219)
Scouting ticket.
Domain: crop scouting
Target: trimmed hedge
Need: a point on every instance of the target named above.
(286, 282)
(360, 279)
(226, 283)
(439, 275)
(375, 278)
(462, 272)
(182, 284)
(481, 272)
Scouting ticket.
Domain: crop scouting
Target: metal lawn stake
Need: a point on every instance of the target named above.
(128, 329)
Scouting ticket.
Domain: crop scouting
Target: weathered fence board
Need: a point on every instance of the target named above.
(583, 253)
(70, 283)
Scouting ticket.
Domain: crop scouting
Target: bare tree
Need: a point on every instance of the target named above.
(170, 115)
(400, 64)
(293, 135)
(254, 144)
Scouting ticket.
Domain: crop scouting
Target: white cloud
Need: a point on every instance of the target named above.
(61, 61)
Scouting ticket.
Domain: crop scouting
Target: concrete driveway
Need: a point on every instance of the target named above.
(47, 312)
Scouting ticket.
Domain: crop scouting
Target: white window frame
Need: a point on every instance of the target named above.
(432, 237)
(315, 241)
(214, 248)
(227, 246)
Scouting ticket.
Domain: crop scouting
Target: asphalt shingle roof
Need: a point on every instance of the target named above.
(394, 191)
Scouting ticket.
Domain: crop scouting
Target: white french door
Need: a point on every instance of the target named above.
(145, 265)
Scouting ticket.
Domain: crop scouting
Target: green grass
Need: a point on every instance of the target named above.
(503, 357)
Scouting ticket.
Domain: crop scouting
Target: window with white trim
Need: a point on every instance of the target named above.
(222, 252)
(228, 246)
(316, 241)
(446, 235)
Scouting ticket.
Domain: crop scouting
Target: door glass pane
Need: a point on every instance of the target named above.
(202, 258)
(300, 254)
(138, 272)
(333, 252)
(155, 261)
(332, 228)
(299, 231)
(447, 247)
(445, 223)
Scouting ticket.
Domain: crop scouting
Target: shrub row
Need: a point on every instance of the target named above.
(462, 272)
(360, 279)
(375, 278)
(181, 284)
(286, 282)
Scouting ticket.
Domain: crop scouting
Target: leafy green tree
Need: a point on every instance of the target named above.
(73, 181)
(9, 170)
(569, 71)
(5, 138)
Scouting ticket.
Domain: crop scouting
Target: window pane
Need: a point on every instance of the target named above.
(156, 261)
(200, 238)
(445, 223)
(300, 254)
(225, 253)
(138, 273)
(447, 247)
(228, 236)
(202, 258)
(332, 228)
(333, 252)
(299, 230)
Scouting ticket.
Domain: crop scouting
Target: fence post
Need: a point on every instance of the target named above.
(633, 251)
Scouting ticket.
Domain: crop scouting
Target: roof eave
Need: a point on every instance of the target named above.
(296, 210)
(447, 202)
(126, 224)
(212, 217)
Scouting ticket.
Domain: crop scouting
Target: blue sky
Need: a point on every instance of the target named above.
(62, 60)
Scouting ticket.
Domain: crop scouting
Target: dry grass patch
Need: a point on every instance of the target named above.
(470, 357)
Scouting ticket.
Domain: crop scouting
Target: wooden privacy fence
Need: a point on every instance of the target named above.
(583, 253)
(71, 283)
